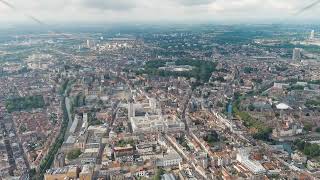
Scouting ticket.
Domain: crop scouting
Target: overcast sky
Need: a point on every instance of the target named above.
(104, 11)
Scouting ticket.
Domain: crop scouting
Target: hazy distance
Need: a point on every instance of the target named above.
(113, 11)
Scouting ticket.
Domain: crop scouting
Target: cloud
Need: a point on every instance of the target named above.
(155, 10)
(195, 2)
(308, 7)
(109, 4)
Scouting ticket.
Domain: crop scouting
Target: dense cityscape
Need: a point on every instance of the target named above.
(161, 102)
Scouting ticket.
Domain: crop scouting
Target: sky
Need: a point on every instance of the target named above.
(104, 11)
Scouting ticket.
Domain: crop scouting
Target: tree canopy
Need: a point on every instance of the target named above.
(25, 103)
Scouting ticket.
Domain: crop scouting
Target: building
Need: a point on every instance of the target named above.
(90, 43)
(146, 118)
(68, 172)
(252, 165)
(86, 173)
(299, 157)
(156, 123)
(170, 159)
(313, 164)
(131, 110)
(39, 61)
(312, 39)
(123, 152)
(287, 128)
(147, 123)
(296, 56)
(59, 160)
(168, 177)
(74, 124)
(312, 35)
(173, 124)
(280, 85)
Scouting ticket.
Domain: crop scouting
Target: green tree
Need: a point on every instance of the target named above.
(23, 128)
(307, 127)
(158, 174)
(25, 103)
(74, 154)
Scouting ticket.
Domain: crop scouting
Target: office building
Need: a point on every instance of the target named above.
(312, 35)
(90, 44)
(296, 56)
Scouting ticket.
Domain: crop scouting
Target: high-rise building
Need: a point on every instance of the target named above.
(312, 35)
(296, 56)
(90, 43)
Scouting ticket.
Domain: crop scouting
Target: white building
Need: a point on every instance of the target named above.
(74, 124)
(147, 123)
(252, 165)
(173, 124)
(39, 61)
(168, 177)
(280, 85)
(283, 106)
(170, 159)
(90, 44)
(156, 123)
(147, 118)
(298, 157)
(313, 164)
(312, 35)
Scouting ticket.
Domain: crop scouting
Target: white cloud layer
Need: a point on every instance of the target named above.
(155, 10)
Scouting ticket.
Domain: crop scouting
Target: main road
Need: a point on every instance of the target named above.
(68, 107)
(185, 106)
(115, 108)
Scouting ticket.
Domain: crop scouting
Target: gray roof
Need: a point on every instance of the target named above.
(168, 177)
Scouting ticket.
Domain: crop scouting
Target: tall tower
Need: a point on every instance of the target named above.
(88, 43)
(296, 55)
(312, 35)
